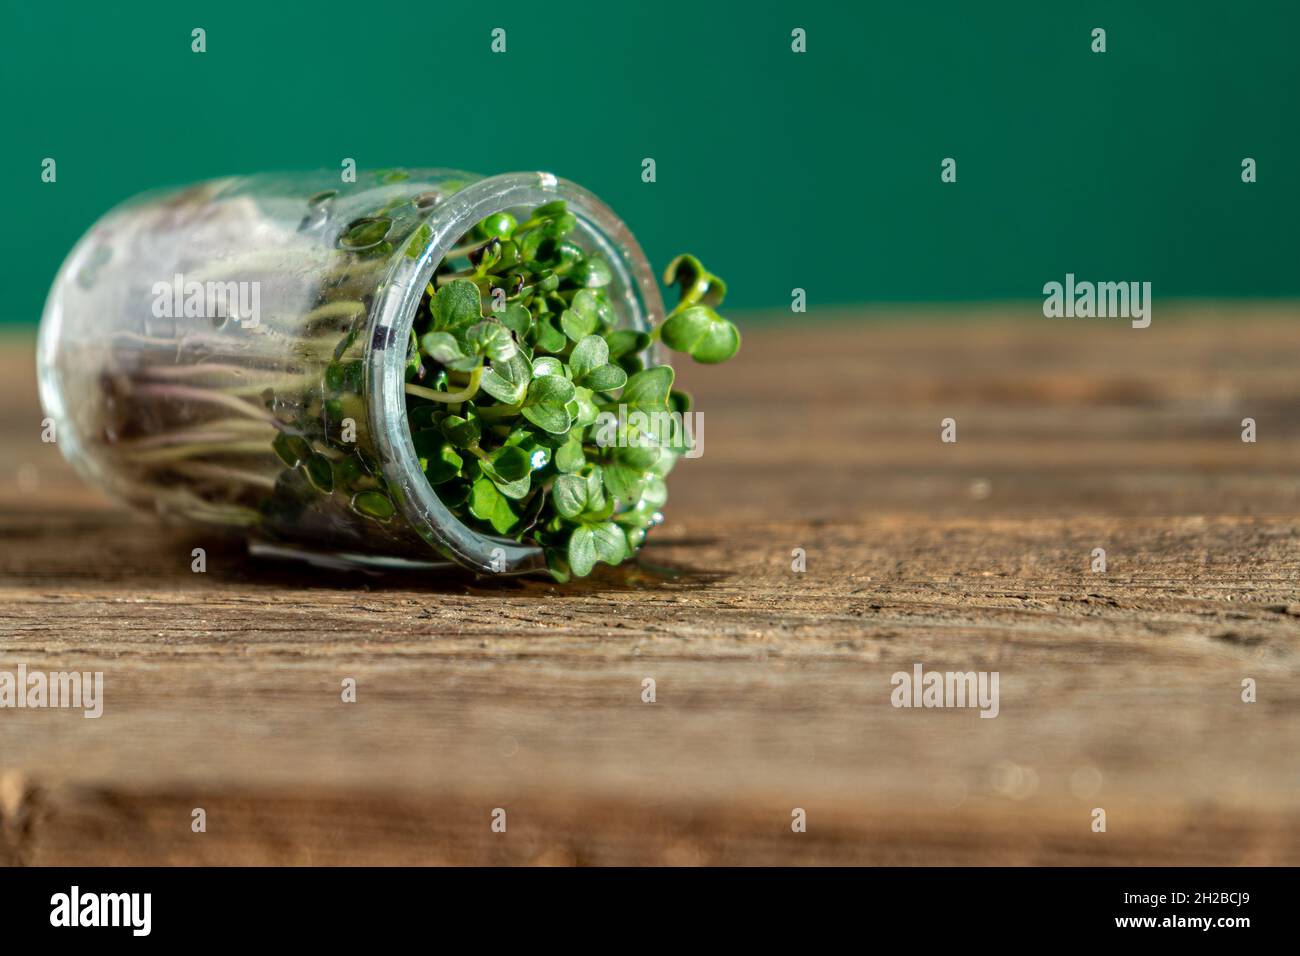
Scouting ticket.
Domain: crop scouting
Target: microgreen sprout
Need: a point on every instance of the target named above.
(517, 361)
(504, 406)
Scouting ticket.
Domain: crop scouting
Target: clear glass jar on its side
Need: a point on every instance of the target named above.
(234, 354)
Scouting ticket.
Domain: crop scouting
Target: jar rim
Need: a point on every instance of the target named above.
(392, 317)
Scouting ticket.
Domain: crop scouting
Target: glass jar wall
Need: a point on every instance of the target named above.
(233, 354)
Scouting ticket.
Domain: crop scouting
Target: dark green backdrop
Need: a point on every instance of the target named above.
(818, 170)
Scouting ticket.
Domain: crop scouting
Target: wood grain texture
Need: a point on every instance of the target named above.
(1118, 690)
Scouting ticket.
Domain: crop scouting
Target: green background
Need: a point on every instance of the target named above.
(818, 170)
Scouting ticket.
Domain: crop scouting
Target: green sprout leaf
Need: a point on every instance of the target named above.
(596, 500)
(591, 353)
(549, 338)
(462, 432)
(293, 450)
(623, 481)
(488, 504)
(570, 457)
(512, 463)
(606, 378)
(611, 546)
(443, 466)
(516, 488)
(701, 333)
(570, 495)
(505, 408)
(373, 504)
(592, 273)
(507, 381)
(545, 403)
(496, 226)
(547, 365)
(365, 233)
(583, 408)
(443, 348)
(592, 543)
(582, 551)
(456, 305)
(579, 324)
(517, 319)
(637, 450)
(626, 343)
(419, 239)
(647, 391)
(320, 473)
(492, 339)
(696, 283)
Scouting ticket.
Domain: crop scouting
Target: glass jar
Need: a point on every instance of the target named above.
(233, 354)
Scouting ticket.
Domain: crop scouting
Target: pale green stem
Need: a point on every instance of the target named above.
(500, 411)
(203, 469)
(186, 393)
(451, 398)
(233, 432)
(251, 384)
(334, 310)
(191, 504)
(194, 449)
(314, 350)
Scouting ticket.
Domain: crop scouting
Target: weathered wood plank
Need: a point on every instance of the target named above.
(1118, 690)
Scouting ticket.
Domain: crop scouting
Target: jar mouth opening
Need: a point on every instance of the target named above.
(634, 295)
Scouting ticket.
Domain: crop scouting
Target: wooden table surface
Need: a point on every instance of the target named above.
(1119, 690)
